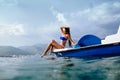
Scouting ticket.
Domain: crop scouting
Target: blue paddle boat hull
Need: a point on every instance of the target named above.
(101, 50)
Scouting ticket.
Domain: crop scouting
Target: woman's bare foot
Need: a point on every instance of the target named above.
(42, 55)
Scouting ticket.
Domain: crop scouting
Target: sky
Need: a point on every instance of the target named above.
(29, 22)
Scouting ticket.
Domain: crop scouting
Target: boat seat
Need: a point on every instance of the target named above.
(89, 40)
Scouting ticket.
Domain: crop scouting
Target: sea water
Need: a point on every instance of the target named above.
(53, 68)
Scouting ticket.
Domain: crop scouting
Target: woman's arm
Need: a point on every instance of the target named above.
(61, 28)
(71, 40)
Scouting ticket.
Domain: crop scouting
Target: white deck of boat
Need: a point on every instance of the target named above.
(57, 50)
(112, 38)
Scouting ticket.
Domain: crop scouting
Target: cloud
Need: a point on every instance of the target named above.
(104, 13)
(47, 32)
(59, 16)
(102, 19)
(12, 30)
(8, 3)
(15, 35)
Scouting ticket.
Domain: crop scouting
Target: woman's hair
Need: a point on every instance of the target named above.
(68, 32)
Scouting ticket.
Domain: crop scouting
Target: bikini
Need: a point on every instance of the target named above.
(63, 38)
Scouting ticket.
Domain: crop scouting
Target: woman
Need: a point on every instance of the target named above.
(65, 36)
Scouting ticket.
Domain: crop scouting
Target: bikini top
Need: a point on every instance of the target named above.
(63, 38)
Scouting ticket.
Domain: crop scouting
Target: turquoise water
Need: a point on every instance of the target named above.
(36, 68)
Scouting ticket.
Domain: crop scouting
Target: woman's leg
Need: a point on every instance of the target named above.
(45, 52)
(50, 47)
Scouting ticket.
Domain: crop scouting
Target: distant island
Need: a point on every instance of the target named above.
(10, 51)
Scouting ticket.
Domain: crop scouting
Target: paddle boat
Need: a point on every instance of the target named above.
(92, 46)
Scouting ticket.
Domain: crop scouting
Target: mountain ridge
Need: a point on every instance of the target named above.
(10, 51)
